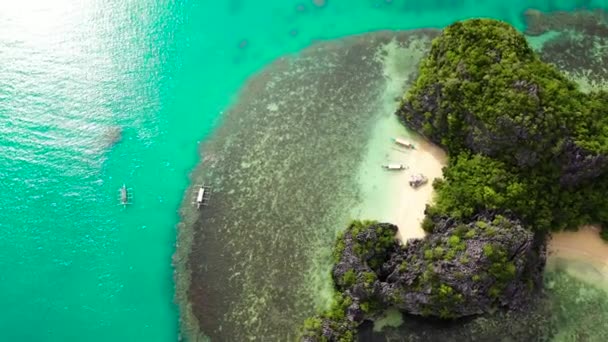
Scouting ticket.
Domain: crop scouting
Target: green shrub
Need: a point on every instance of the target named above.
(312, 323)
(428, 225)
(481, 224)
(369, 278)
(349, 278)
(470, 234)
(438, 252)
(488, 251)
(454, 240)
(450, 255)
(604, 233)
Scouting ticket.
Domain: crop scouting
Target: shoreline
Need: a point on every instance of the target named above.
(239, 233)
(387, 195)
(585, 243)
(582, 254)
(410, 203)
(382, 195)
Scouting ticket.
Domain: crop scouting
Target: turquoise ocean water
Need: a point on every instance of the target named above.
(76, 75)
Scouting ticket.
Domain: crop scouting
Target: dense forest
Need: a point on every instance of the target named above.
(528, 153)
(521, 137)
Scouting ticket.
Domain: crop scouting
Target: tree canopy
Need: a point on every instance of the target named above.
(521, 137)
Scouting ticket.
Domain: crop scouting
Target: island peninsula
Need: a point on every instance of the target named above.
(527, 155)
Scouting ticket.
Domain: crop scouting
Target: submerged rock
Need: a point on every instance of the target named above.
(112, 135)
(587, 22)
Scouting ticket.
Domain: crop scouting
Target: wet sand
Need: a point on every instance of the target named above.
(583, 244)
(387, 195)
(582, 254)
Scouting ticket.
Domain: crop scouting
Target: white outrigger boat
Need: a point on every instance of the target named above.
(395, 167)
(125, 195)
(202, 196)
(403, 143)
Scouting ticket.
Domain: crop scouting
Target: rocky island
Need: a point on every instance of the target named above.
(329, 111)
(527, 155)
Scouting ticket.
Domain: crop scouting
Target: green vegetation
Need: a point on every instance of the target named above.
(526, 149)
(491, 83)
(494, 268)
(349, 278)
(502, 270)
(368, 243)
(520, 136)
(372, 250)
(334, 318)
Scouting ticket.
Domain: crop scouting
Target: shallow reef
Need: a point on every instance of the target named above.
(576, 42)
(528, 153)
(256, 261)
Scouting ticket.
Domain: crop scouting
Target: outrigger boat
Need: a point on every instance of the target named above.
(403, 143)
(203, 195)
(395, 167)
(125, 195)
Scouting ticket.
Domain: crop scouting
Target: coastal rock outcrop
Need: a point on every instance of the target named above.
(528, 153)
(465, 269)
(508, 122)
(460, 269)
(482, 90)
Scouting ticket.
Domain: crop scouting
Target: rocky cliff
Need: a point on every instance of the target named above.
(461, 269)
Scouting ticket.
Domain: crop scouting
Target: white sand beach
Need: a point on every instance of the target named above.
(386, 195)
